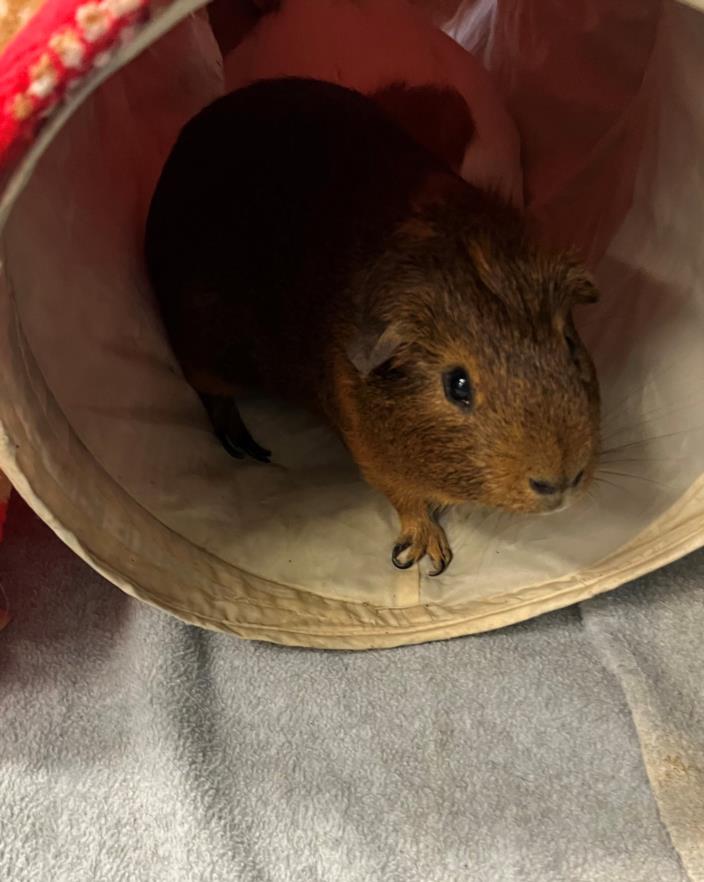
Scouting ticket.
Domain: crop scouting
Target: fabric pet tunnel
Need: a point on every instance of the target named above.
(103, 437)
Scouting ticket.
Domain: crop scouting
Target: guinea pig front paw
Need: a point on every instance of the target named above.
(427, 538)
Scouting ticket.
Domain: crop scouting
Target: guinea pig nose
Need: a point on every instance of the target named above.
(577, 479)
(543, 488)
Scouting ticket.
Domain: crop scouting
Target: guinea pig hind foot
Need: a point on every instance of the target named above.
(244, 445)
(230, 429)
(421, 536)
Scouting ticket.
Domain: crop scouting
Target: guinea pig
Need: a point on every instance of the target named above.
(366, 280)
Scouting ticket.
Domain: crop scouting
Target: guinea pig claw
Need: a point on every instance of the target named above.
(441, 565)
(230, 429)
(396, 554)
(243, 441)
(250, 447)
(229, 445)
(244, 446)
(431, 543)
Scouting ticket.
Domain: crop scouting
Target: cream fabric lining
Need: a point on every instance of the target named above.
(101, 434)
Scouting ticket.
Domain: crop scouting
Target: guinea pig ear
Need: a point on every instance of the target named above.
(580, 286)
(571, 286)
(372, 345)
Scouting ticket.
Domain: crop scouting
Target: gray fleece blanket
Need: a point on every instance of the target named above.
(133, 747)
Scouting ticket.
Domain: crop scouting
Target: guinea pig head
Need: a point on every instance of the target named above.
(470, 380)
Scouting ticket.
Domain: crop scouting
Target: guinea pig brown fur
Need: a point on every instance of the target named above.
(301, 242)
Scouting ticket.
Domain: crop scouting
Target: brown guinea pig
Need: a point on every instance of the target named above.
(301, 242)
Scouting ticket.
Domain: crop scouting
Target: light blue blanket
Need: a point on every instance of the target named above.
(135, 748)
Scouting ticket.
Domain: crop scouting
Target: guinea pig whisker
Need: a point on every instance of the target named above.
(646, 478)
(615, 409)
(651, 416)
(648, 440)
(612, 438)
(638, 464)
(591, 498)
(590, 495)
(598, 479)
(639, 460)
(617, 406)
(620, 487)
(612, 432)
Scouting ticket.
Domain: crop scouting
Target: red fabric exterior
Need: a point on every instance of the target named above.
(59, 47)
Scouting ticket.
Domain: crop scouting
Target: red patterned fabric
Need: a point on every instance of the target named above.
(60, 45)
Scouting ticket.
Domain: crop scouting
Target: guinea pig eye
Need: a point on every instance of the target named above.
(458, 388)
